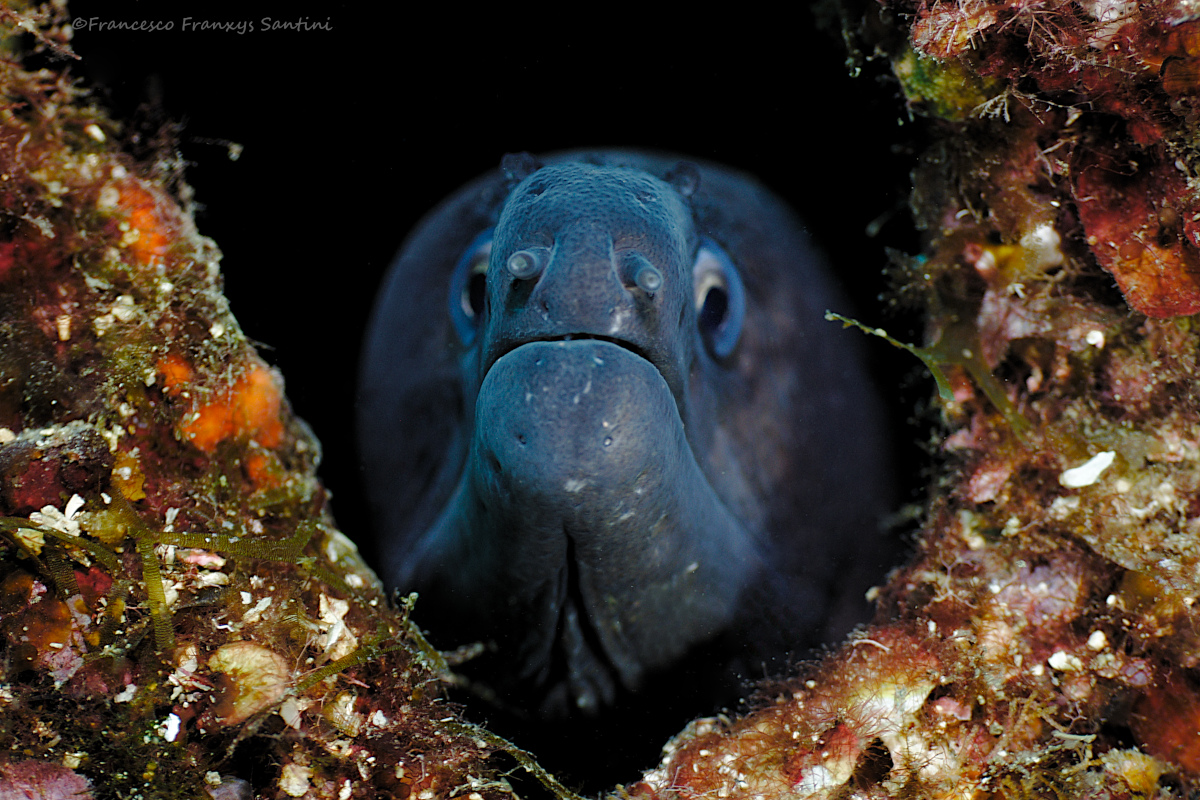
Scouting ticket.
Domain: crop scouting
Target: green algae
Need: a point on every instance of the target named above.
(946, 89)
(958, 345)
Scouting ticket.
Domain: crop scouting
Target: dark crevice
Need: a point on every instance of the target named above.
(594, 662)
(587, 628)
(555, 671)
(873, 766)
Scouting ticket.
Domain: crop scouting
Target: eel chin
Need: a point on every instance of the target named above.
(596, 541)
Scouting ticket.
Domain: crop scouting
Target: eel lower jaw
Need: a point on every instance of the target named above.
(580, 472)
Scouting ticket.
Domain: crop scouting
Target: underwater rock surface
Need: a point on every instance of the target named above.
(179, 614)
(1043, 642)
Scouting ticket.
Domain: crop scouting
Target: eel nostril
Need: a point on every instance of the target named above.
(642, 273)
(526, 264)
(649, 279)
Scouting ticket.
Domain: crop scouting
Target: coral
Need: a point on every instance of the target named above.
(1043, 642)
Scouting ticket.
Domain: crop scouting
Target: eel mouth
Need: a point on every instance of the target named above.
(624, 344)
(663, 366)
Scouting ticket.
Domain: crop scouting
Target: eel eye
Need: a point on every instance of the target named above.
(720, 299)
(468, 287)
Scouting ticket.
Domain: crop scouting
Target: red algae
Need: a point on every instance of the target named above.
(1153, 257)
(1168, 722)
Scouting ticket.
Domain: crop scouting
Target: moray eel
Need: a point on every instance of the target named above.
(605, 428)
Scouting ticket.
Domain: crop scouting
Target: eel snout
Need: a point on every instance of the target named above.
(623, 273)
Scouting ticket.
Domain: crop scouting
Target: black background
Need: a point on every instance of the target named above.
(350, 134)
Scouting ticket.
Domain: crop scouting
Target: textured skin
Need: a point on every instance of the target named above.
(586, 487)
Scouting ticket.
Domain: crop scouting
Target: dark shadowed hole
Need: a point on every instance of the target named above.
(873, 765)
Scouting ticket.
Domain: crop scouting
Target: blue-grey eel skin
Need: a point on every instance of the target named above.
(607, 432)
